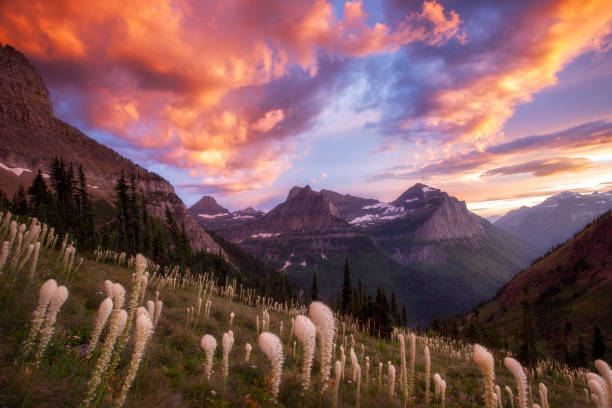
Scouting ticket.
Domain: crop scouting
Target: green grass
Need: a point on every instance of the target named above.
(171, 374)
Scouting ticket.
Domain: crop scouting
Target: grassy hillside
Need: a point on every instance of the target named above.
(571, 284)
(171, 374)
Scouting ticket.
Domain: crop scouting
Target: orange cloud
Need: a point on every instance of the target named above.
(527, 60)
(161, 75)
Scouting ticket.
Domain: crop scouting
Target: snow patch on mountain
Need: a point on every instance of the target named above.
(265, 235)
(18, 171)
(211, 215)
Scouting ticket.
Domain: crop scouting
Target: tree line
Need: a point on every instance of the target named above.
(379, 314)
(63, 200)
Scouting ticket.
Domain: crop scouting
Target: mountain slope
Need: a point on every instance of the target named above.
(32, 136)
(556, 219)
(572, 283)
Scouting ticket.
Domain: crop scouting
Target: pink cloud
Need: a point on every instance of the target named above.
(161, 76)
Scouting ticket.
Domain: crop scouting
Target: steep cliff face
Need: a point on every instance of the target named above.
(32, 136)
(450, 220)
(304, 212)
(348, 206)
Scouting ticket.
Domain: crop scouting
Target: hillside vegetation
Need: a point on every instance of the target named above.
(172, 374)
(560, 302)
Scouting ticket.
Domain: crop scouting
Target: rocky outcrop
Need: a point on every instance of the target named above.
(32, 136)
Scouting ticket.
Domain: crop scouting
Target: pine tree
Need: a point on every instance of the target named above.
(347, 289)
(580, 359)
(38, 192)
(598, 344)
(4, 201)
(85, 211)
(39, 197)
(394, 310)
(526, 348)
(314, 288)
(20, 202)
(122, 206)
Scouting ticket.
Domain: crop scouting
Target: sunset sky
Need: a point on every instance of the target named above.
(501, 103)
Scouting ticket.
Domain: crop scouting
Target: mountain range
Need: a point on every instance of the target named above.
(425, 246)
(556, 219)
(214, 217)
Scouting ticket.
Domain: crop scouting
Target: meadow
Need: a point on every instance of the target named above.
(154, 340)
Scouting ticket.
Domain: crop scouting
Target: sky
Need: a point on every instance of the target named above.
(501, 104)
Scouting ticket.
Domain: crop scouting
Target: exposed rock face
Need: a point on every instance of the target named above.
(304, 211)
(556, 219)
(32, 136)
(450, 220)
(348, 206)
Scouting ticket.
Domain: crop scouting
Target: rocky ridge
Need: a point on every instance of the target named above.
(556, 219)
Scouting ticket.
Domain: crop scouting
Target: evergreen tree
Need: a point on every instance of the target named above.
(40, 198)
(598, 344)
(4, 201)
(580, 359)
(20, 202)
(314, 288)
(383, 315)
(38, 192)
(394, 310)
(404, 318)
(123, 211)
(526, 347)
(85, 211)
(347, 289)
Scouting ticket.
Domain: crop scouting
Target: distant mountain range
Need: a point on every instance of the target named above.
(425, 246)
(572, 284)
(214, 217)
(556, 219)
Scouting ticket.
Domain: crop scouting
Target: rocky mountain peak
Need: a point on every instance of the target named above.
(417, 192)
(207, 205)
(295, 190)
(306, 201)
(22, 91)
(249, 211)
